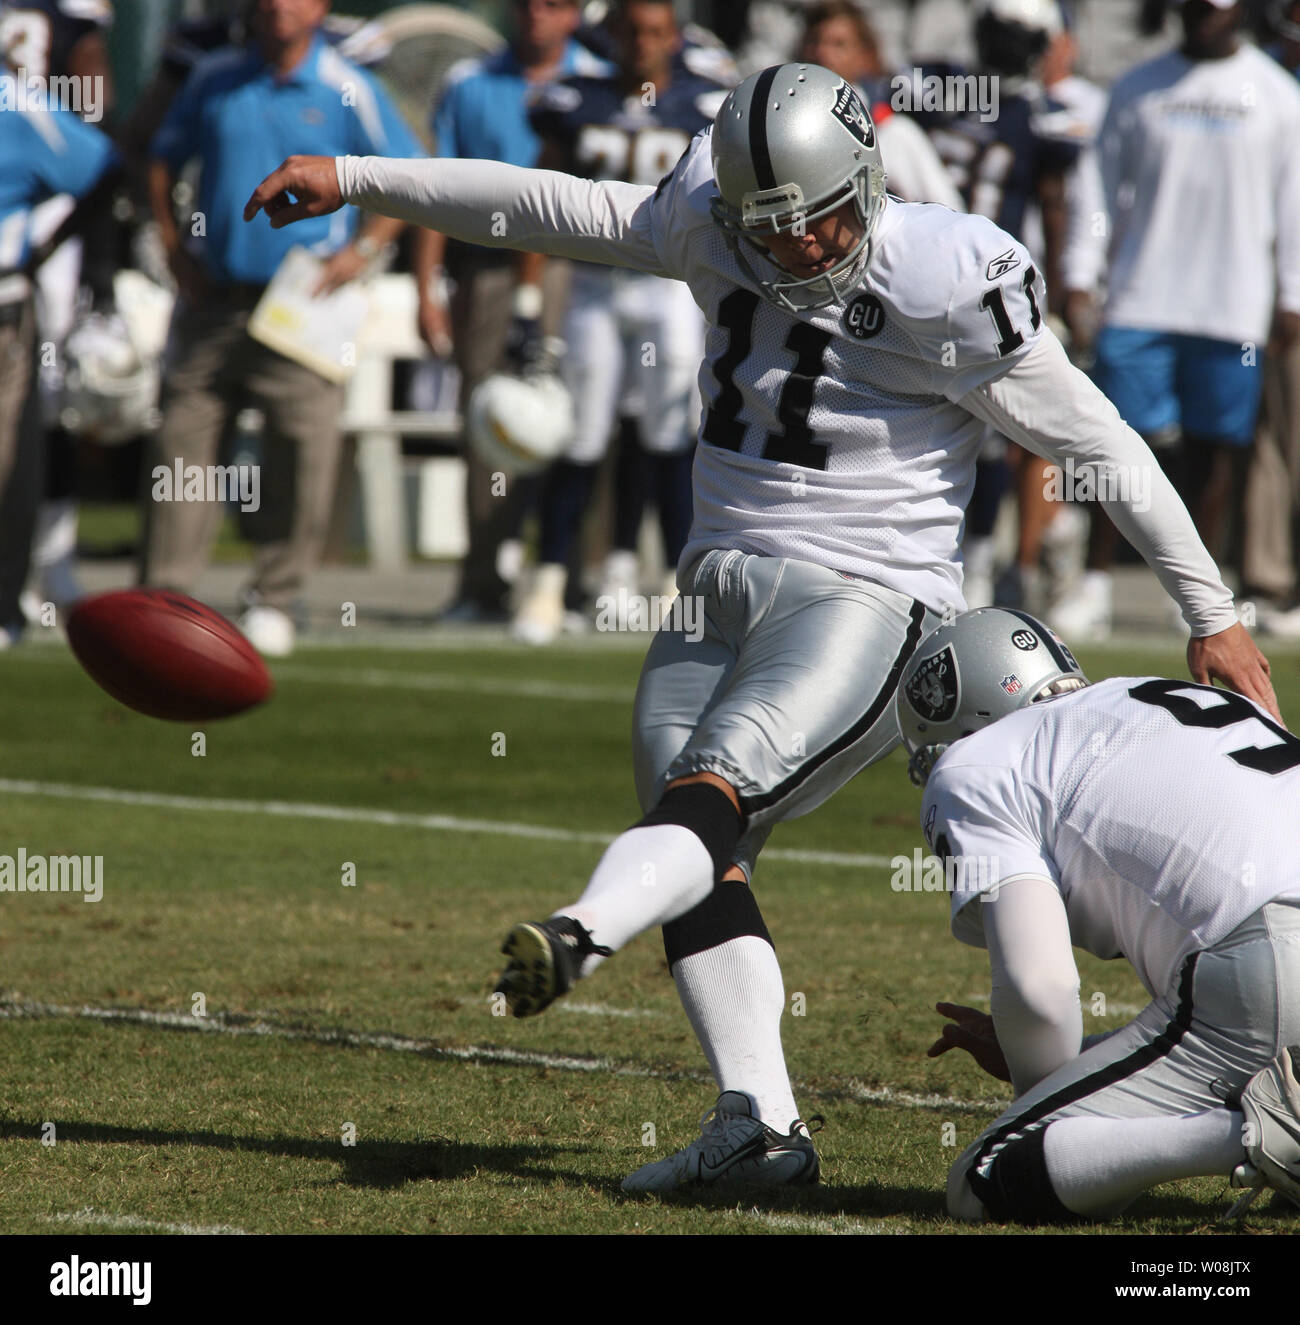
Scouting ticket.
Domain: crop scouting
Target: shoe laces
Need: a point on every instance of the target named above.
(723, 1132)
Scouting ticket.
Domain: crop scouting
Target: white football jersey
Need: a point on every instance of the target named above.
(1164, 811)
(832, 435)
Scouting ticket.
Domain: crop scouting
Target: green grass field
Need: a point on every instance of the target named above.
(361, 1013)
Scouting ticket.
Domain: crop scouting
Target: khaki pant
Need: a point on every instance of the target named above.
(1273, 484)
(214, 369)
(21, 455)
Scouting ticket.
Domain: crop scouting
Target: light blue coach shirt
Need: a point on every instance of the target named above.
(241, 120)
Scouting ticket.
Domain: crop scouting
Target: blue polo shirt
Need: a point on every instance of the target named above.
(42, 152)
(240, 120)
(483, 112)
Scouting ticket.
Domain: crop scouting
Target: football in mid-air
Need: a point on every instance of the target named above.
(167, 655)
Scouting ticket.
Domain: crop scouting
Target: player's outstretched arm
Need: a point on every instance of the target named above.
(480, 202)
(1046, 404)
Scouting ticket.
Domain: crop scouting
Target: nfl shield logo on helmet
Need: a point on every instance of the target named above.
(1011, 684)
(932, 691)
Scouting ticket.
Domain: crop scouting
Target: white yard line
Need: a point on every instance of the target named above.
(443, 823)
(220, 1024)
(841, 1225)
(100, 1219)
(377, 678)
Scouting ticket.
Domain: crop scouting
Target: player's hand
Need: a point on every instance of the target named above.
(311, 180)
(973, 1031)
(1232, 658)
(435, 327)
(338, 269)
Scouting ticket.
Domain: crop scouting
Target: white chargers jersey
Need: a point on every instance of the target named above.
(1202, 180)
(833, 435)
(1164, 811)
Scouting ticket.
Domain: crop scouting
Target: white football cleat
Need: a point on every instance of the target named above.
(270, 631)
(1271, 1103)
(733, 1146)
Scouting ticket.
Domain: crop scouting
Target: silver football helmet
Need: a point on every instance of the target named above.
(970, 673)
(790, 144)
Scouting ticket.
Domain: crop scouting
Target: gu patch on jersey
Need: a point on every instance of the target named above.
(864, 316)
(848, 110)
(932, 692)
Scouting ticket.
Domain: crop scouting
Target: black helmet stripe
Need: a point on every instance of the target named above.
(1064, 663)
(758, 129)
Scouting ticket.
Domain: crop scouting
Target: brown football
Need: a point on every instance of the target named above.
(167, 655)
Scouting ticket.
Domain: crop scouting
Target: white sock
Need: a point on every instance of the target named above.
(734, 996)
(1098, 1165)
(647, 876)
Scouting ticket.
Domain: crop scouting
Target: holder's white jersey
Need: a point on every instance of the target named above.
(1164, 812)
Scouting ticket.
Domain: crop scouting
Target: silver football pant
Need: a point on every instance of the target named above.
(777, 675)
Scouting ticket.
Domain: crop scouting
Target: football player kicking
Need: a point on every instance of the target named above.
(856, 348)
(1140, 818)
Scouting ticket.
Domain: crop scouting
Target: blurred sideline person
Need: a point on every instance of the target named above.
(498, 309)
(232, 115)
(1142, 818)
(838, 35)
(1189, 306)
(60, 39)
(1012, 167)
(43, 153)
(835, 460)
(1271, 519)
(633, 342)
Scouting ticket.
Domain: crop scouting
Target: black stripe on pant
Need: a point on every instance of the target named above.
(885, 696)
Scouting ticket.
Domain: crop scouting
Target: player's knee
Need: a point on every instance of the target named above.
(708, 811)
(729, 912)
(1016, 1187)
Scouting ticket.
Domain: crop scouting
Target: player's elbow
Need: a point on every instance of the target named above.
(1042, 1002)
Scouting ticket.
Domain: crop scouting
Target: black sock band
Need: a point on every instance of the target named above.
(1018, 1187)
(730, 911)
(708, 812)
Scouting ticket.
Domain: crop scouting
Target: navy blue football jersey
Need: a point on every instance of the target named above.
(38, 35)
(608, 133)
(997, 164)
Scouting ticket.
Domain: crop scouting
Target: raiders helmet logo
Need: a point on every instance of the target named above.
(932, 691)
(864, 317)
(851, 113)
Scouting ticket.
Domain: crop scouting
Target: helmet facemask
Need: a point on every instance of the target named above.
(783, 210)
